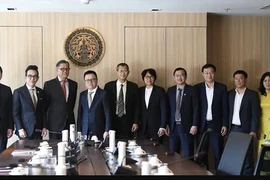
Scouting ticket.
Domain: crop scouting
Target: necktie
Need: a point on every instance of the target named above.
(63, 84)
(33, 97)
(178, 101)
(90, 98)
(121, 102)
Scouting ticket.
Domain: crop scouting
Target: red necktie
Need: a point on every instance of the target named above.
(64, 88)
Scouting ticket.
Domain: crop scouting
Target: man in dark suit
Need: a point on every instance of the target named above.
(153, 121)
(61, 94)
(184, 106)
(124, 121)
(94, 116)
(244, 114)
(213, 112)
(6, 119)
(29, 111)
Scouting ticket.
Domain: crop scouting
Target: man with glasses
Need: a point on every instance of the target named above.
(6, 119)
(61, 95)
(29, 111)
(94, 116)
(184, 108)
(124, 103)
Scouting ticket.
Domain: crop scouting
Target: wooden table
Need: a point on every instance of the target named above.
(95, 163)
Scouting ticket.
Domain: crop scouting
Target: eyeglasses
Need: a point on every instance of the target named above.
(90, 80)
(64, 69)
(178, 76)
(149, 77)
(32, 76)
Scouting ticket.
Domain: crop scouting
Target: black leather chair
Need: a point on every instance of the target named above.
(234, 154)
(263, 160)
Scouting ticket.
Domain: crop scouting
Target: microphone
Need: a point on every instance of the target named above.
(52, 132)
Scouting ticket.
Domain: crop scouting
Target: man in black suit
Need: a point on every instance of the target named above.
(153, 121)
(60, 94)
(29, 111)
(124, 121)
(94, 116)
(213, 112)
(6, 119)
(183, 114)
(244, 114)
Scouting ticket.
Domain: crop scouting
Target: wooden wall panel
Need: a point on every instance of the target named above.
(20, 47)
(185, 47)
(145, 48)
(239, 42)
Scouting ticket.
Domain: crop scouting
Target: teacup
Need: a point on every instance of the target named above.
(154, 161)
(164, 170)
(94, 138)
(36, 170)
(139, 151)
(132, 143)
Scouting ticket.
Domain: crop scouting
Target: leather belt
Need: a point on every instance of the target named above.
(237, 126)
(209, 122)
(178, 122)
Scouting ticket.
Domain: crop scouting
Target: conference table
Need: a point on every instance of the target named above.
(99, 161)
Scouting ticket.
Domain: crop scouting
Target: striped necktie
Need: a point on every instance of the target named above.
(121, 102)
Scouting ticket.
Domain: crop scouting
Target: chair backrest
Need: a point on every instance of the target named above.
(263, 162)
(202, 149)
(234, 154)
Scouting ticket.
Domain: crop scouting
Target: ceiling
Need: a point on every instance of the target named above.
(224, 7)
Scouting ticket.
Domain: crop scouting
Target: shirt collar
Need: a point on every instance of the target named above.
(92, 90)
(29, 88)
(118, 83)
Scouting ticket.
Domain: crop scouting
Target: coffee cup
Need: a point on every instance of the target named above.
(154, 161)
(139, 151)
(164, 170)
(132, 143)
(94, 138)
(35, 160)
(36, 170)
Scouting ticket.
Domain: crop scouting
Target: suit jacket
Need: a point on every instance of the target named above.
(6, 119)
(156, 113)
(219, 106)
(58, 110)
(97, 116)
(132, 102)
(189, 107)
(24, 113)
(249, 110)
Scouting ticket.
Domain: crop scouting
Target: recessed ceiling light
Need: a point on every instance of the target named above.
(11, 9)
(265, 7)
(156, 9)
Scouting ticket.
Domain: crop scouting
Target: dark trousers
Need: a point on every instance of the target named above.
(122, 126)
(249, 161)
(3, 141)
(58, 134)
(178, 138)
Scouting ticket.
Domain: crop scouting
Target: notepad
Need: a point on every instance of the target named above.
(23, 152)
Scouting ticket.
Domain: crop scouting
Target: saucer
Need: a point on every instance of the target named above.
(14, 174)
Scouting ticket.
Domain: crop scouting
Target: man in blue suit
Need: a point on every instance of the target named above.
(29, 111)
(94, 117)
(182, 124)
(213, 112)
(244, 114)
(6, 119)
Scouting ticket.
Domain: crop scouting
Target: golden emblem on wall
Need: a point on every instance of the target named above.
(84, 46)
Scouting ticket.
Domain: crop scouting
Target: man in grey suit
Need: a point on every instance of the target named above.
(29, 109)
(125, 122)
(244, 114)
(6, 120)
(94, 116)
(61, 94)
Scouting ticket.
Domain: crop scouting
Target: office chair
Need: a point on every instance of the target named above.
(202, 149)
(234, 154)
(263, 160)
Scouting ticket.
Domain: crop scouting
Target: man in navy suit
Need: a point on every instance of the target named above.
(213, 112)
(182, 127)
(29, 111)
(126, 123)
(94, 116)
(153, 108)
(6, 119)
(244, 114)
(61, 93)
